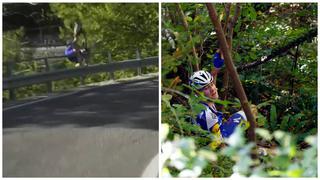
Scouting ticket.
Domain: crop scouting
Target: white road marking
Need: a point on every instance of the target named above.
(152, 169)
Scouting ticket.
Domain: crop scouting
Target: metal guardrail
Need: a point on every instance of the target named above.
(15, 82)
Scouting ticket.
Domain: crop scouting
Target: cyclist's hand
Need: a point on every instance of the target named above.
(217, 61)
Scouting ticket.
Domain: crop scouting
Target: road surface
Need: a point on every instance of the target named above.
(108, 131)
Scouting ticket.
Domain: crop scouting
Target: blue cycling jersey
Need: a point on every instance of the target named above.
(209, 117)
(71, 53)
(228, 127)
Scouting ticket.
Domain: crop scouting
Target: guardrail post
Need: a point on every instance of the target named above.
(82, 78)
(12, 94)
(110, 61)
(50, 83)
(138, 54)
(46, 62)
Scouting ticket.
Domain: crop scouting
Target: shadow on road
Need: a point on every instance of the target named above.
(132, 105)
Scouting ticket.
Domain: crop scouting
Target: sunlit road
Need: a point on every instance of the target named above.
(109, 131)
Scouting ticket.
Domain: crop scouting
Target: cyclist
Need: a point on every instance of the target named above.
(73, 52)
(210, 118)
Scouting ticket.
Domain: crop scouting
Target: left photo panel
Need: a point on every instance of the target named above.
(80, 89)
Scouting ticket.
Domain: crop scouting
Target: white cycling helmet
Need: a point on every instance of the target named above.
(200, 79)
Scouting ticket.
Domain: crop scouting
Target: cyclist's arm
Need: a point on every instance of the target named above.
(217, 65)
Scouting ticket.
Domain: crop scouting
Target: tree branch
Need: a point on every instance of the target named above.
(186, 26)
(226, 22)
(229, 41)
(233, 22)
(280, 51)
(232, 71)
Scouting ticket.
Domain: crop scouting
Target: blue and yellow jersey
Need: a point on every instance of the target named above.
(212, 120)
(237, 119)
(208, 117)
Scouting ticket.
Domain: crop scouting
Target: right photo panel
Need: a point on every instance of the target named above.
(239, 90)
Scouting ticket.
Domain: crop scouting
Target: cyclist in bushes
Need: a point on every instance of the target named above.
(210, 118)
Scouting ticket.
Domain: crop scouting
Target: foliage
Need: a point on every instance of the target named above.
(284, 88)
(181, 158)
(117, 28)
(12, 44)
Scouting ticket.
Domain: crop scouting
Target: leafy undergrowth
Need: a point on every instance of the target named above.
(284, 90)
(181, 157)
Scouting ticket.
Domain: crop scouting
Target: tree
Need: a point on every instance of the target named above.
(120, 28)
(114, 30)
(282, 39)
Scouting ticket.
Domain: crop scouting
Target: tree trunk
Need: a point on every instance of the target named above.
(232, 71)
(231, 25)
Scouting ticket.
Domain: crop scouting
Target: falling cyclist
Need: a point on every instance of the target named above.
(73, 52)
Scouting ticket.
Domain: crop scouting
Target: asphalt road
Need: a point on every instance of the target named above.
(109, 131)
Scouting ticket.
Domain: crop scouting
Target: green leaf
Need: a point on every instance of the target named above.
(273, 117)
(166, 97)
(188, 18)
(261, 120)
(198, 108)
(284, 123)
(266, 103)
(252, 55)
(252, 13)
